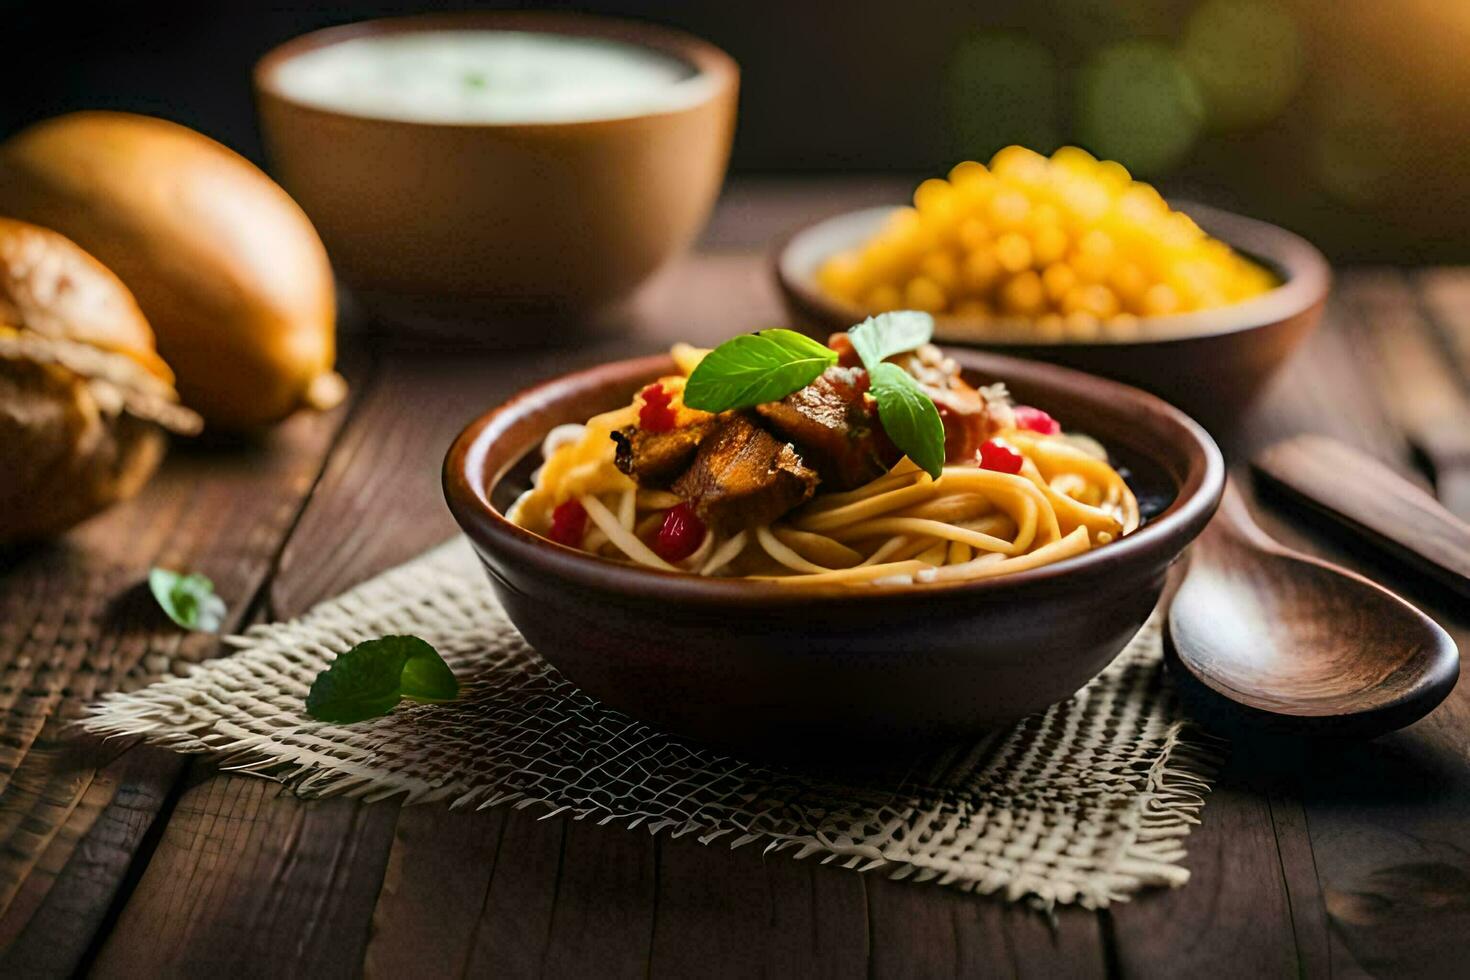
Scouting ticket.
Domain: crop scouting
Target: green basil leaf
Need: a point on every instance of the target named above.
(189, 600)
(426, 677)
(879, 337)
(909, 417)
(756, 368)
(371, 678)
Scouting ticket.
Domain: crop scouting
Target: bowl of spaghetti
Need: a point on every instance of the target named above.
(871, 539)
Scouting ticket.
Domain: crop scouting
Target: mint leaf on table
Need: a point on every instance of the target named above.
(756, 368)
(879, 337)
(189, 600)
(908, 416)
(370, 679)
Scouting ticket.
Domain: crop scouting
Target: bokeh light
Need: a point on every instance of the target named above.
(1358, 148)
(1139, 105)
(1246, 56)
(1003, 89)
(1089, 22)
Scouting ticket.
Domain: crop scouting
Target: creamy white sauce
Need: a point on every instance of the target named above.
(473, 76)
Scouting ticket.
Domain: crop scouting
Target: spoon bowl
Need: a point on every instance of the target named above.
(1261, 636)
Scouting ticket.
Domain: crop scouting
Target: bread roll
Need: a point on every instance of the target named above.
(227, 269)
(84, 397)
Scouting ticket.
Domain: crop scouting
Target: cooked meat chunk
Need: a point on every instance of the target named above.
(655, 458)
(964, 410)
(743, 475)
(836, 427)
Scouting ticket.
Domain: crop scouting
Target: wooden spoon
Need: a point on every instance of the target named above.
(1260, 636)
(1364, 496)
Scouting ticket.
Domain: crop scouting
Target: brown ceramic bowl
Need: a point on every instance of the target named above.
(755, 665)
(442, 223)
(1212, 364)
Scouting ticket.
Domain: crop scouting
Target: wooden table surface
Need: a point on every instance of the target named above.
(125, 860)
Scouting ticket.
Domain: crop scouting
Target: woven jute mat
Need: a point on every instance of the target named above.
(1085, 803)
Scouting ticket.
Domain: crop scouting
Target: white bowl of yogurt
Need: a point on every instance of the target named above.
(461, 166)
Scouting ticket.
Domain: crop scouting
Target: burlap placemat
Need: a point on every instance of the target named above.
(1085, 803)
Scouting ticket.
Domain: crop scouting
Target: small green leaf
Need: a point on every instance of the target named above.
(189, 600)
(909, 417)
(756, 368)
(879, 337)
(371, 678)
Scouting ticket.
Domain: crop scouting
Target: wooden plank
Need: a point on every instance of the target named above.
(1365, 834)
(738, 914)
(1388, 818)
(434, 891)
(924, 931)
(76, 621)
(603, 920)
(62, 903)
(1413, 366)
(1445, 295)
(1252, 904)
(513, 933)
(1234, 917)
(300, 879)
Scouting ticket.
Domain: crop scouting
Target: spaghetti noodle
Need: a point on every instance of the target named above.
(970, 522)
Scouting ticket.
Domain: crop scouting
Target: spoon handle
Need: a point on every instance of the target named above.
(1371, 500)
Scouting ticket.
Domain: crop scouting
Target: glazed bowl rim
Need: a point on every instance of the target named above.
(468, 488)
(708, 61)
(1305, 272)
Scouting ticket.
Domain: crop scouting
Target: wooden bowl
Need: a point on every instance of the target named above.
(1212, 363)
(444, 223)
(759, 665)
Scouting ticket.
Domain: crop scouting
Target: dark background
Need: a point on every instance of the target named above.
(1348, 120)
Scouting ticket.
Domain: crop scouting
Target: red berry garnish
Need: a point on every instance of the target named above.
(568, 523)
(681, 534)
(657, 413)
(996, 455)
(1035, 420)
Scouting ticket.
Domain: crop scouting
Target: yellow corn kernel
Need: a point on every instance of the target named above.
(923, 293)
(980, 271)
(1100, 301)
(1075, 157)
(967, 172)
(1160, 299)
(1013, 251)
(1017, 163)
(942, 268)
(933, 195)
(975, 308)
(1114, 176)
(1057, 280)
(883, 298)
(1022, 294)
(1009, 209)
(972, 234)
(1048, 244)
(841, 275)
(1129, 281)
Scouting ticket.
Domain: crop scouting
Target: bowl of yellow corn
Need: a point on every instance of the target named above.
(1067, 258)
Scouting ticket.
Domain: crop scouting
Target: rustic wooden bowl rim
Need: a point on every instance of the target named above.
(1305, 273)
(479, 459)
(713, 68)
